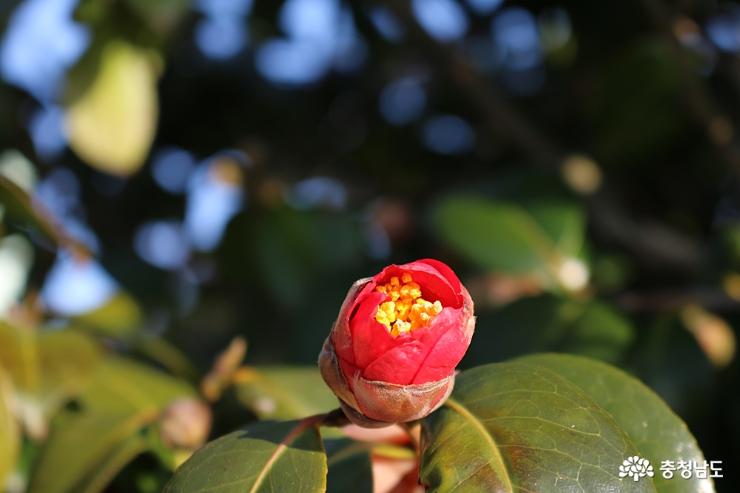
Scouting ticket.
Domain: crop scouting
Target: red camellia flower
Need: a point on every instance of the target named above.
(392, 352)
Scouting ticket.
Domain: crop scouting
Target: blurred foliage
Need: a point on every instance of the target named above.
(179, 174)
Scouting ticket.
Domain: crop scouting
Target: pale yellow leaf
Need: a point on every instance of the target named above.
(111, 125)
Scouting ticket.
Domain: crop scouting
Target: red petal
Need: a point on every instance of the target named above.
(369, 338)
(349, 370)
(445, 345)
(445, 270)
(398, 365)
(440, 346)
(342, 334)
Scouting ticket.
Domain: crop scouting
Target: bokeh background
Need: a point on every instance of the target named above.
(213, 169)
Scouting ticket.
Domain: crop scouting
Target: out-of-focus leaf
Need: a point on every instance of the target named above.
(264, 457)
(163, 15)
(19, 356)
(552, 423)
(16, 260)
(563, 222)
(713, 334)
(166, 354)
(44, 373)
(504, 237)
(283, 392)
(67, 362)
(27, 214)
(113, 463)
(123, 398)
(495, 235)
(551, 323)
(111, 124)
(123, 384)
(9, 436)
(290, 249)
(120, 316)
(350, 466)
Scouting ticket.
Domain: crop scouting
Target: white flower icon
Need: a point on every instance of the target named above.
(636, 468)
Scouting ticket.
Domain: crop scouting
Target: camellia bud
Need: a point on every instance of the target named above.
(391, 355)
(185, 424)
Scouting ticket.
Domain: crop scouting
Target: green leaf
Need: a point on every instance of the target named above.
(496, 235)
(9, 435)
(114, 462)
(563, 223)
(43, 373)
(264, 457)
(350, 466)
(651, 425)
(505, 237)
(551, 423)
(120, 317)
(123, 398)
(112, 121)
(284, 392)
(163, 15)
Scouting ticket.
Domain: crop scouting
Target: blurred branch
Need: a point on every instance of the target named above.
(697, 99)
(671, 300)
(500, 116)
(653, 242)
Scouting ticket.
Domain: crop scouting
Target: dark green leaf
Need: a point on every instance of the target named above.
(265, 457)
(551, 423)
(350, 467)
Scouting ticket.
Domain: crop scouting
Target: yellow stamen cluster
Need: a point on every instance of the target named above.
(406, 310)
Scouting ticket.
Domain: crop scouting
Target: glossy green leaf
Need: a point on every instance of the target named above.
(264, 457)
(350, 466)
(551, 423)
(284, 392)
(9, 435)
(505, 237)
(123, 398)
(651, 425)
